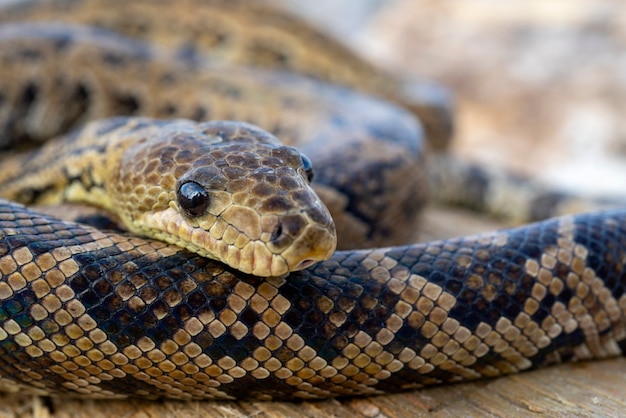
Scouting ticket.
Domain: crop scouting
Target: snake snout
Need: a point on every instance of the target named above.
(301, 241)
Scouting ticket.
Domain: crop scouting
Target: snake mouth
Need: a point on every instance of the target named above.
(300, 246)
(304, 264)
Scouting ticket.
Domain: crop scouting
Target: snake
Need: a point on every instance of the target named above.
(95, 312)
(229, 192)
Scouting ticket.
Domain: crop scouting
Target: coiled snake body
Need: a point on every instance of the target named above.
(103, 314)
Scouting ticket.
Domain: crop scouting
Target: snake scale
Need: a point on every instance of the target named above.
(95, 313)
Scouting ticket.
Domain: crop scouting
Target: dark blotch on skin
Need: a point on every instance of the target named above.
(235, 172)
(200, 114)
(209, 177)
(30, 54)
(262, 190)
(29, 94)
(276, 204)
(81, 97)
(114, 60)
(264, 54)
(316, 215)
(292, 225)
(184, 156)
(168, 110)
(61, 42)
(126, 104)
(288, 183)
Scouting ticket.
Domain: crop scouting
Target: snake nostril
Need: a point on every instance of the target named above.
(277, 234)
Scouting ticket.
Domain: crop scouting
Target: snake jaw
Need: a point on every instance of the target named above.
(313, 245)
(251, 256)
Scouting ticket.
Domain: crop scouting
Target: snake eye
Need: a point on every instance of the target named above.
(308, 167)
(192, 198)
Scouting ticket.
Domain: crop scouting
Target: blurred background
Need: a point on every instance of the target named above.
(540, 85)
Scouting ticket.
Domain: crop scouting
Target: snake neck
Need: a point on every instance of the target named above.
(72, 169)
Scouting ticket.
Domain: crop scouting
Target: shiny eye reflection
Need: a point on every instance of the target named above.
(192, 199)
(308, 167)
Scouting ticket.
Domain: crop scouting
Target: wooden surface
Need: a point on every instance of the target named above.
(583, 390)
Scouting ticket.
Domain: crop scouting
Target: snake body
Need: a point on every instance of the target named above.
(87, 313)
(91, 313)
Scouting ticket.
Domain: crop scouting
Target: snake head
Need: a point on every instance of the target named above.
(227, 191)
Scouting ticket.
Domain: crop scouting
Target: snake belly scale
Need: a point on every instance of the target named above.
(93, 313)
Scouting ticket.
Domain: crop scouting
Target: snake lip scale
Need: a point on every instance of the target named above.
(88, 312)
